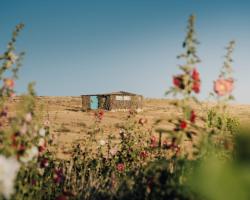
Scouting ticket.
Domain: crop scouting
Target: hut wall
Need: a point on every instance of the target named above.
(85, 103)
(118, 102)
(108, 103)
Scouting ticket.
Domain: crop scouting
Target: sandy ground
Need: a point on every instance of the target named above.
(69, 124)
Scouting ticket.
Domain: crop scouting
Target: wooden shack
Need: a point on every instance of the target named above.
(115, 101)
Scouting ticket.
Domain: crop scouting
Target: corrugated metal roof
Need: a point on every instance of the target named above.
(112, 93)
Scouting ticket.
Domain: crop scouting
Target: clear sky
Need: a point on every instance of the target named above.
(75, 47)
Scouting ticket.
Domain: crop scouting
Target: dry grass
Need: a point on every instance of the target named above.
(69, 124)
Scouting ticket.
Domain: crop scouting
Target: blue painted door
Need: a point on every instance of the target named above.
(93, 102)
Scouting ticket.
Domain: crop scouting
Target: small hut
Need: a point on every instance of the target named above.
(115, 101)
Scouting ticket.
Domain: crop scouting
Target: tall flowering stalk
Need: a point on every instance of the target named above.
(186, 85)
(9, 165)
(188, 82)
(220, 123)
(22, 136)
(224, 85)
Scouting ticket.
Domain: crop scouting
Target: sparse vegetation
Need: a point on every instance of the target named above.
(190, 154)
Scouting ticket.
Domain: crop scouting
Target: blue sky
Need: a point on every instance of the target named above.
(89, 46)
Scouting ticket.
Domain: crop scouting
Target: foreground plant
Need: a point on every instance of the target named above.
(23, 137)
(185, 86)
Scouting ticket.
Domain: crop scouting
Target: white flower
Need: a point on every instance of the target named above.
(42, 132)
(29, 154)
(102, 142)
(28, 117)
(9, 168)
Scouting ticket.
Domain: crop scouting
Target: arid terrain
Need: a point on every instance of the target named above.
(69, 124)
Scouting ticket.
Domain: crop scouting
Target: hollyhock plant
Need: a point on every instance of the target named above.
(20, 131)
(186, 86)
(224, 85)
(189, 79)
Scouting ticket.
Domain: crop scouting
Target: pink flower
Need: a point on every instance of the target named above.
(223, 86)
(120, 167)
